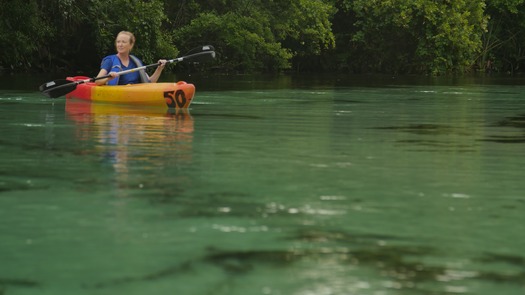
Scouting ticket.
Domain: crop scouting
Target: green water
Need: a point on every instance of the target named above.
(285, 186)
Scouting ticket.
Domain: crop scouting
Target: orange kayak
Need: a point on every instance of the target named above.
(172, 95)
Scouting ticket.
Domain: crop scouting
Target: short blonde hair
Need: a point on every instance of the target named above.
(130, 34)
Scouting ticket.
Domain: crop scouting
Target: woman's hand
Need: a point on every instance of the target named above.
(113, 75)
(103, 72)
(155, 77)
(162, 63)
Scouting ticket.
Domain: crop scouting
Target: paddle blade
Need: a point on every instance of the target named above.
(57, 88)
(204, 56)
(201, 49)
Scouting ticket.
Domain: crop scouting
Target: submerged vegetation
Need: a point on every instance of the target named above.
(357, 36)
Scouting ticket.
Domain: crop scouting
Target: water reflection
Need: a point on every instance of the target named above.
(131, 138)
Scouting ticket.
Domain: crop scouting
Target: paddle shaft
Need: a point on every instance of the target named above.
(58, 88)
(178, 59)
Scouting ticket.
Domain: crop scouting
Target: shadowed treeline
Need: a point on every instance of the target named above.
(357, 36)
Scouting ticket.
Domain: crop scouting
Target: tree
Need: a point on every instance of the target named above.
(145, 19)
(75, 35)
(259, 35)
(400, 36)
(503, 41)
(22, 31)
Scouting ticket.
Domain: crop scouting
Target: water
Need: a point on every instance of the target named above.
(288, 186)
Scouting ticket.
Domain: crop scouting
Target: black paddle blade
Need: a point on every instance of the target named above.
(53, 84)
(57, 88)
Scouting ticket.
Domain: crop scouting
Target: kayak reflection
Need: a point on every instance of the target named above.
(134, 141)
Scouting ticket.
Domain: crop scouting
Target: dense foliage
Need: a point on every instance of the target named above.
(381, 36)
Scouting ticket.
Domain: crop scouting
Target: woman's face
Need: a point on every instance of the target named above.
(123, 43)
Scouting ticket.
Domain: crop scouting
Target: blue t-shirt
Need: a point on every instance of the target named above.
(129, 78)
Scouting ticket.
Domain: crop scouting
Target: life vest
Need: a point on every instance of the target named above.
(117, 67)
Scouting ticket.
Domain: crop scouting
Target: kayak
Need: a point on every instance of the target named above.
(172, 95)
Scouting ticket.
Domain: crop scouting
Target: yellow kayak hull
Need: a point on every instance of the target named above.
(169, 95)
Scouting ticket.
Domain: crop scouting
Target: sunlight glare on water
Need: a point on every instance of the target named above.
(284, 186)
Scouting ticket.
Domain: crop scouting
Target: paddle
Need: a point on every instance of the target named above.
(62, 87)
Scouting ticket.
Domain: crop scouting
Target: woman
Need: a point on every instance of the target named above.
(123, 61)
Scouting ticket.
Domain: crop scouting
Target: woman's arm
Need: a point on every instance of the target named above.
(103, 72)
(155, 77)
